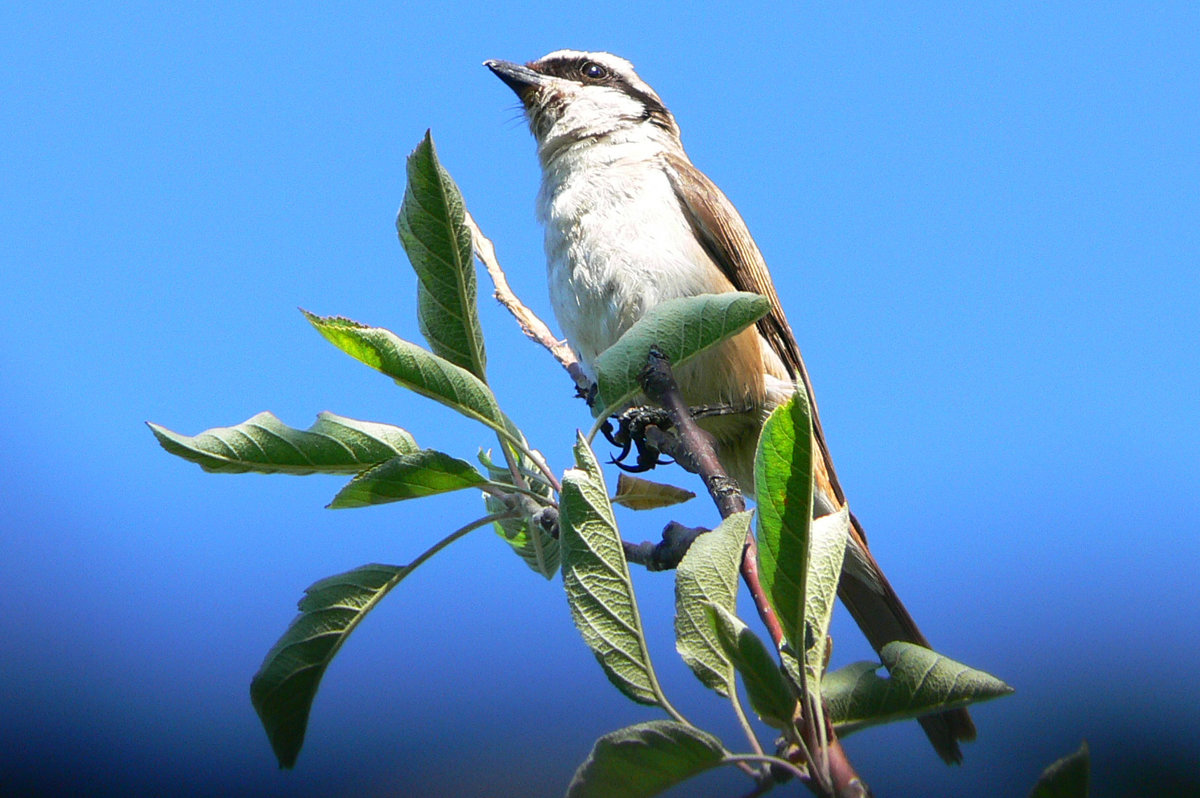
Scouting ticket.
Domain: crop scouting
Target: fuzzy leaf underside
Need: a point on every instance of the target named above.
(408, 476)
(284, 688)
(681, 329)
(783, 487)
(597, 581)
(708, 574)
(263, 444)
(433, 232)
(644, 760)
(827, 549)
(919, 682)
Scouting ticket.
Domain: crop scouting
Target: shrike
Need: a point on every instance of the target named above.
(630, 223)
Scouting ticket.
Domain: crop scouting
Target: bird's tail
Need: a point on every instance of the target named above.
(882, 617)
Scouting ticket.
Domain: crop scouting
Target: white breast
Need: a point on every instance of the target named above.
(617, 243)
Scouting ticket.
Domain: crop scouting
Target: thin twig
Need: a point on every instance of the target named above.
(761, 603)
(502, 490)
(778, 762)
(458, 533)
(531, 325)
(534, 457)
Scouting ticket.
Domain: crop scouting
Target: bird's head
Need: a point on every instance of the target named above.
(571, 96)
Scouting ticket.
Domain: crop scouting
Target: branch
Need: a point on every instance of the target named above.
(533, 327)
(693, 448)
(666, 554)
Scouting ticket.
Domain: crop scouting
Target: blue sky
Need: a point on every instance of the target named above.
(983, 224)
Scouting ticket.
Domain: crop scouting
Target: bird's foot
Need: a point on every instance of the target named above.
(631, 433)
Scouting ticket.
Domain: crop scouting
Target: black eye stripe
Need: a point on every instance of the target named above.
(560, 67)
(581, 69)
(573, 69)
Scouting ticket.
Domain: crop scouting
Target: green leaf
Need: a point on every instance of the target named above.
(533, 544)
(596, 578)
(1066, 778)
(263, 444)
(415, 369)
(828, 537)
(438, 242)
(408, 476)
(920, 682)
(585, 460)
(645, 759)
(708, 574)
(769, 693)
(681, 329)
(783, 486)
(284, 688)
(642, 494)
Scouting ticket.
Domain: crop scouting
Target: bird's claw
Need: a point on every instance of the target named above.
(631, 432)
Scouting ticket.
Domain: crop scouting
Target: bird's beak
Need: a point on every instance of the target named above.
(521, 79)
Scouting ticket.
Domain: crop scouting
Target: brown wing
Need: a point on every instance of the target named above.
(874, 604)
(727, 240)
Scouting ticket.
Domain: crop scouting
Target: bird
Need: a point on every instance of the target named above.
(630, 223)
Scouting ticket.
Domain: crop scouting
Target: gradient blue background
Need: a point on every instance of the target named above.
(982, 222)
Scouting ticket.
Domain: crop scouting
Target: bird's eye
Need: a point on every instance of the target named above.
(593, 71)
